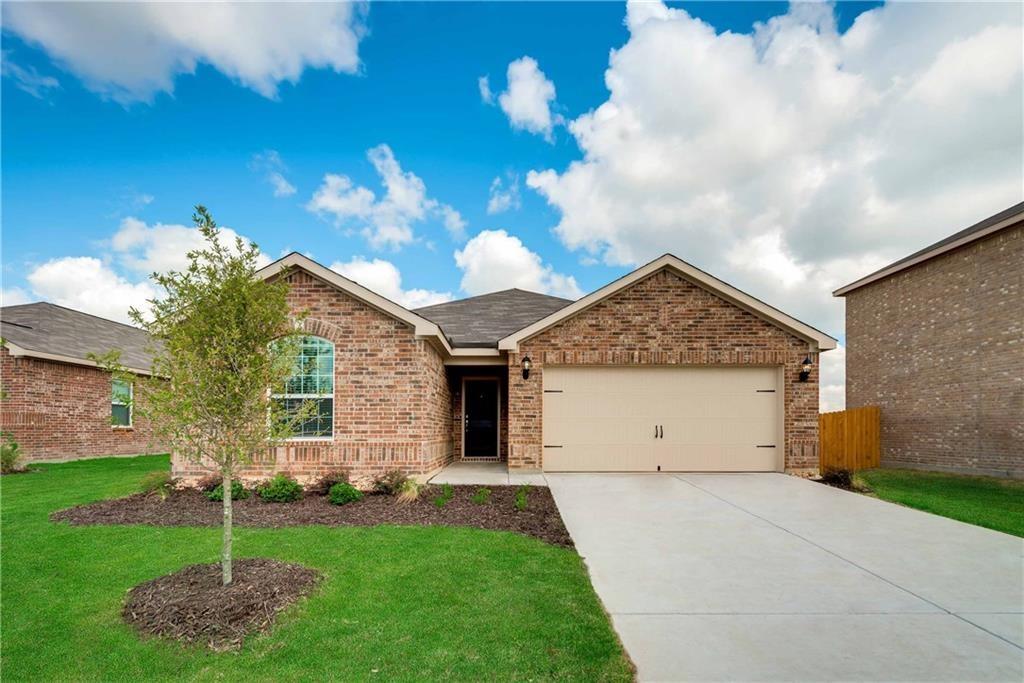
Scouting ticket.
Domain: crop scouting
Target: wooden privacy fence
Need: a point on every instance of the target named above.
(850, 439)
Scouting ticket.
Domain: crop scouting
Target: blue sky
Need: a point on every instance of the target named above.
(706, 106)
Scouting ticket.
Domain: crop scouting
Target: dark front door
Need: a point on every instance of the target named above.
(481, 419)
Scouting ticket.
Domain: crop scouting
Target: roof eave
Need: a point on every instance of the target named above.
(816, 338)
(22, 352)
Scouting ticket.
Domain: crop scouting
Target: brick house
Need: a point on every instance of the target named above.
(667, 368)
(56, 403)
(936, 340)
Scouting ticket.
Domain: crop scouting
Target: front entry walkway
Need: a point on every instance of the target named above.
(769, 577)
(484, 474)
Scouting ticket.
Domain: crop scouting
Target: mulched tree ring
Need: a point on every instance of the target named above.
(193, 606)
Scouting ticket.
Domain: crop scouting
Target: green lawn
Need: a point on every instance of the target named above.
(993, 503)
(396, 603)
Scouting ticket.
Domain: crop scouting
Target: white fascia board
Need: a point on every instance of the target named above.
(817, 338)
(422, 327)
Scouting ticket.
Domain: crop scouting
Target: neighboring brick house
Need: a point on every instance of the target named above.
(937, 341)
(55, 402)
(664, 369)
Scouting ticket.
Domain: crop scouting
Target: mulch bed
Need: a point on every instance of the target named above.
(189, 507)
(193, 606)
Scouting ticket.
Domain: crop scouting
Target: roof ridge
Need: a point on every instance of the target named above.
(500, 291)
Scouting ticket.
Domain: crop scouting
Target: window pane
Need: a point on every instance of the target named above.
(320, 424)
(121, 391)
(120, 415)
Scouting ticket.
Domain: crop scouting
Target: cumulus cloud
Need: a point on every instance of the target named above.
(832, 380)
(13, 296)
(384, 278)
(495, 260)
(88, 284)
(128, 52)
(27, 78)
(528, 98)
(794, 159)
(270, 165)
(161, 247)
(503, 195)
(484, 84)
(388, 221)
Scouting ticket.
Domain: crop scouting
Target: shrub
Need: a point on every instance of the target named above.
(159, 483)
(238, 491)
(521, 497)
(391, 482)
(411, 490)
(10, 454)
(447, 493)
(842, 479)
(280, 489)
(481, 496)
(324, 483)
(344, 493)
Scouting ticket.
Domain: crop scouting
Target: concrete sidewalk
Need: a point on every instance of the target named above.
(770, 577)
(466, 472)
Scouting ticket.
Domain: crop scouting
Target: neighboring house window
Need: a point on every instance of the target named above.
(312, 380)
(121, 403)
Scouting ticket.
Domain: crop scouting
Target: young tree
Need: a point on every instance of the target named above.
(222, 339)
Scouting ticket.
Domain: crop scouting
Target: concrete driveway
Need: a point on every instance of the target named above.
(770, 577)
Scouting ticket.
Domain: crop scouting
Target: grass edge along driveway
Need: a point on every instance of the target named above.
(983, 501)
(397, 603)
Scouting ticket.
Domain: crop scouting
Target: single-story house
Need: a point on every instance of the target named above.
(665, 369)
(936, 340)
(55, 402)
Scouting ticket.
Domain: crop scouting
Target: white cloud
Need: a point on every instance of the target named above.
(12, 296)
(87, 284)
(484, 84)
(128, 52)
(384, 278)
(161, 247)
(385, 222)
(832, 380)
(795, 159)
(503, 197)
(494, 260)
(27, 78)
(269, 164)
(528, 98)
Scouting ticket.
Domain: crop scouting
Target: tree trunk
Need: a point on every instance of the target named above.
(225, 553)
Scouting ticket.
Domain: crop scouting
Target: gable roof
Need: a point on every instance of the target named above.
(483, 320)
(423, 327)
(52, 332)
(994, 223)
(822, 341)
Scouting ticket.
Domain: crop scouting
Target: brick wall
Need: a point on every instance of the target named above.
(59, 411)
(392, 405)
(663, 320)
(940, 348)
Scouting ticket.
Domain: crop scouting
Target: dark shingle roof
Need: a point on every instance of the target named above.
(47, 328)
(483, 320)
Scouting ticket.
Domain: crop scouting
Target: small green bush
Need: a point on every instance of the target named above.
(159, 483)
(238, 491)
(391, 482)
(343, 494)
(481, 496)
(521, 497)
(280, 489)
(10, 454)
(447, 493)
(324, 483)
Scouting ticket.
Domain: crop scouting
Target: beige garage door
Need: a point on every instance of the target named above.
(628, 419)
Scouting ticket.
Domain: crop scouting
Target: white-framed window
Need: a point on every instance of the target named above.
(312, 380)
(121, 403)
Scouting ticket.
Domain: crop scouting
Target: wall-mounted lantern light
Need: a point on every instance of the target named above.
(805, 369)
(526, 364)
